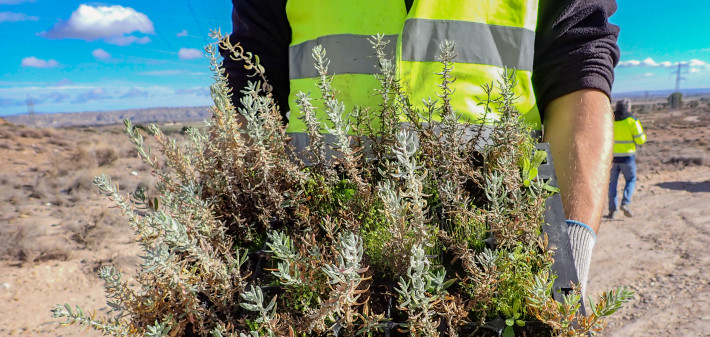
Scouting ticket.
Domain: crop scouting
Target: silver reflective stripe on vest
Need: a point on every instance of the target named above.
(476, 43)
(481, 133)
(301, 140)
(624, 142)
(640, 135)
(348, 54)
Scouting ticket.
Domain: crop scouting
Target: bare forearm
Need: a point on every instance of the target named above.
(579, 128)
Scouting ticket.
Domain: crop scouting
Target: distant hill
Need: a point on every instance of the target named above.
(98, 118)
(656, 94)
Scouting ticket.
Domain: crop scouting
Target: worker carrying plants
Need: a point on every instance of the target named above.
(564, 53)
(628, 133)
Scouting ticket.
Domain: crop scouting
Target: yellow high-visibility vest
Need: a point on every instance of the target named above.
(489, 35)
(628, 133)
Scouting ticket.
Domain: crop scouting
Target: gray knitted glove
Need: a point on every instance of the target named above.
(582, 240)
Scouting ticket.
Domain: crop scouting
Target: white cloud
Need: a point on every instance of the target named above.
(170, 73)
(124, 40)
(53, 97)
(183, 33)
(694, 70)
(198, 91)
(697, 63)
(649, 75)
(101, 54)
(114, 24)
(632, 63)
(93, 94)
(133, 92)
(189, 53)
(16, 17)
(649, 62)
(38, 63)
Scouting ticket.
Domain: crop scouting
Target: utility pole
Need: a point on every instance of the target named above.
(675, 99)
(30, 106)
(30, 109)
(678, 75)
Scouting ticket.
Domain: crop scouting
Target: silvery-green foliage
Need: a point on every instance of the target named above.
(159, 329)
(393, 201)
(254, 113)
(251, 334)
(333, 231)
(419, 291)
(495, 191)
(254, 301)
(348, 266)
(113, 283)
(316, 147)
(412, 176)
(415, 288)
(113, 327)
(281, 246)
(338, 123)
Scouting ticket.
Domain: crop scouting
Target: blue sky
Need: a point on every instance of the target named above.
(82, 56)
(656, 36)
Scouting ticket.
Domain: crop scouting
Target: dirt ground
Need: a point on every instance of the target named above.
(56, 231)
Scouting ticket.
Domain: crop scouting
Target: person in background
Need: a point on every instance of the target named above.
(628, 133)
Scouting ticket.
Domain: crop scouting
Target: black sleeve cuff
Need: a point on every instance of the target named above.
(575, 48)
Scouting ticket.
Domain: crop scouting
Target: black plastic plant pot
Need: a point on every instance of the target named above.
(494, 328)
(383, 299)
(498, 328)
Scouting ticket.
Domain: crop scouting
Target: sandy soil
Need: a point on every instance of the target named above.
(57, 231)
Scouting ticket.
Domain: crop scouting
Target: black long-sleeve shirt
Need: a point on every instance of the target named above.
(575, 46)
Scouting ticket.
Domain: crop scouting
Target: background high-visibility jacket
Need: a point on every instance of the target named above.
(628, 133)
(574, 46)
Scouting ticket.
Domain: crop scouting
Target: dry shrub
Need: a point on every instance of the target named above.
(83, 159)
(686, 161)
(90, 230)
(11, 237)
(58, 142)
(6, 133)
(105, 156)
(48, 133)
(53, 252)
(56, 199)
(20, 243)
(83, 182)
(129, 153)
(38, 190)
(31, 133)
